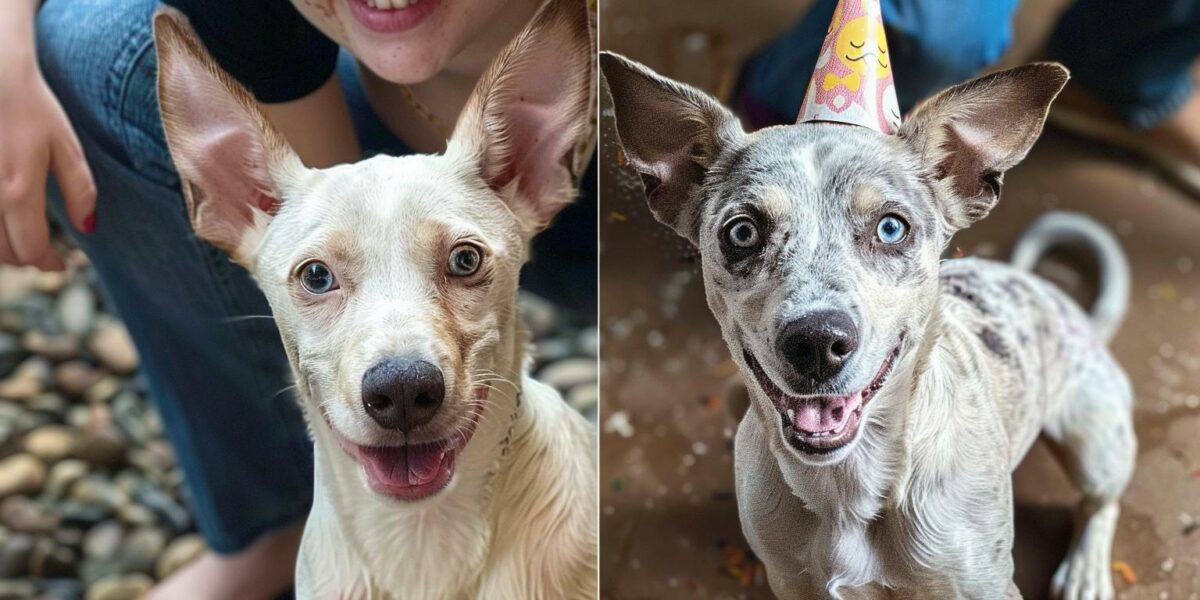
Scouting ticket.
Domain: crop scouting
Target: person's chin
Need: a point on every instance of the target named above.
(407, 62)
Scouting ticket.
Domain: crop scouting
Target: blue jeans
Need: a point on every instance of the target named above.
(220, 381)
(1136, 56)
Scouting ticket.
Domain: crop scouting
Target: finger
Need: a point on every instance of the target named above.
(7, 256)
(75, 180)
(51, 261)
(29, 234)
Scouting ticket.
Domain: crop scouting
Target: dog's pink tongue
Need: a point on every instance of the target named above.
(424, 463)
(827, 413)
(405, 465)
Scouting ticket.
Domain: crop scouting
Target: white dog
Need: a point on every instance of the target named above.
(442, 469)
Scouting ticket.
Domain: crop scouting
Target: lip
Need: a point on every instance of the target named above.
(392, 20)
(843, 431)
(412, 472)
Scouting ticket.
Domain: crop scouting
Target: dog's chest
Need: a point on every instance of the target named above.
(854, 553)
(434, 556)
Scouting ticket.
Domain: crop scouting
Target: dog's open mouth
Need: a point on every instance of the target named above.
(821, 424)
(411, 472)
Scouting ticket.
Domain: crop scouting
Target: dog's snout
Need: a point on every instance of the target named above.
(402, 394)
(818, 344)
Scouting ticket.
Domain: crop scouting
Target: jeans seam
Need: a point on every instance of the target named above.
(123, 93)
(134, 44)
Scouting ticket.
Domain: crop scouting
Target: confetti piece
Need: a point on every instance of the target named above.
(713, 402)
(1196, 473)
(1163, 291)
(622, 160)
(619, 424)
(617, 217)
(617, 485)
(1125, 571)
(747, 578)
(741, 565)
(958, 252)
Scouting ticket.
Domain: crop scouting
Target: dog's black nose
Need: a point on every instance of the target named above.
(818, 344)
(402, 394)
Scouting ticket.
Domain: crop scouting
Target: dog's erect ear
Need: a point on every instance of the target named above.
(970, 134)
(231, 162)
(529, 123)
(671, 134)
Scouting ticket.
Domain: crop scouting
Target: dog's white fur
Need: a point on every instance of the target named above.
(518, 518)
(916, 503)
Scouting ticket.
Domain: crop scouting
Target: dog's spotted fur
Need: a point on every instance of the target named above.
(918, 503)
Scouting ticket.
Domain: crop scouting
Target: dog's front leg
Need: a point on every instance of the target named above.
(774, 521)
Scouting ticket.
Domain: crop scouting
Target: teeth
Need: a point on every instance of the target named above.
(390, 4)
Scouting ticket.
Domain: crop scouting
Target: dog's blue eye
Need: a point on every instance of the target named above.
(317, 278)
(891, 229)
(742, 232)
(465, 260)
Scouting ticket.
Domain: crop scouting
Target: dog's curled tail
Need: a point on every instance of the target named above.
(1057, 229)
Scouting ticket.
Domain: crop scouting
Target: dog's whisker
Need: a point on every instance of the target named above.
(294, 386)
(237, 318)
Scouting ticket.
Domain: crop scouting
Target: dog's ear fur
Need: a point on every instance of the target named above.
(529, 123)
(970, 134)
(671, 133)
(230, 159)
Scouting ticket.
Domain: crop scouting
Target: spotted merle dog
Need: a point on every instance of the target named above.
(892, 393)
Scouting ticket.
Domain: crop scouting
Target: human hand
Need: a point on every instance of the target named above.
(36, 140)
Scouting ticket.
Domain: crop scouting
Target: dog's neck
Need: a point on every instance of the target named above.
(408, 542)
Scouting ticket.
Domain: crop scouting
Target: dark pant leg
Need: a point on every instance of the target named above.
(1135, 56)
(217, 376)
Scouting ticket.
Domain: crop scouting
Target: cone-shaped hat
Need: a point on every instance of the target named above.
(852, 82)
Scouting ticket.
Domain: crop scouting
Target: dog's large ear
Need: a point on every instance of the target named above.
(671, 133)
(529, 123)
(231, 161)
(970, 134)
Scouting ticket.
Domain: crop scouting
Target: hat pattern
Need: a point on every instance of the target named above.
(852, 82)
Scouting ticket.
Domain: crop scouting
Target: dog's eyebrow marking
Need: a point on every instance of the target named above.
(342, 245)
(865, 199)
(774, 201)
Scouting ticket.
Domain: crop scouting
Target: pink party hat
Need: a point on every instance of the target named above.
(852, 82)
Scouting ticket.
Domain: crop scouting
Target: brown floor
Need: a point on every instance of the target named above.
(669, 522)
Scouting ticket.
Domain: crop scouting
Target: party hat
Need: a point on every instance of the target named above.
(852, 82)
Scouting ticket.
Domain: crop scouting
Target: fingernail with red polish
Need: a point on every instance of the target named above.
(89, 223)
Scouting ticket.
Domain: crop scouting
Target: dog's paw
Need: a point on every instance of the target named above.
(1083, 575)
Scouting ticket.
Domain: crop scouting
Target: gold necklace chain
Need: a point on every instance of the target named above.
(433, 121)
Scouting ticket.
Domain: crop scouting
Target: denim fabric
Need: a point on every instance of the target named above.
(218, 379)
(1135, 56)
